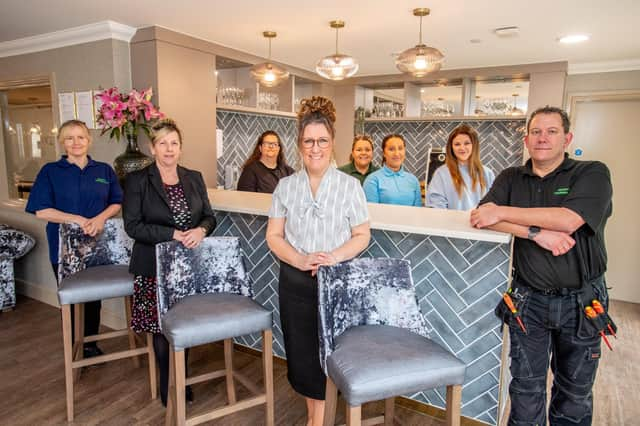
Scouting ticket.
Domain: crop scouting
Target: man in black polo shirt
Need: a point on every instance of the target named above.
(557, 209)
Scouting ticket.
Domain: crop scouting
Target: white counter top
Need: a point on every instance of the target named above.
(415, 220)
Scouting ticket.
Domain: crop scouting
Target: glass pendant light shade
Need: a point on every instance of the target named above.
(267, 73)
(421, 59)
(337, 66)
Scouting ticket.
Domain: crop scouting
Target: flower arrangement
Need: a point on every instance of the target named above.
(124, 114)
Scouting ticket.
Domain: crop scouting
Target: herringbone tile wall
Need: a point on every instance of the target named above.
(240, 135)
(500, 141)
(458, 284)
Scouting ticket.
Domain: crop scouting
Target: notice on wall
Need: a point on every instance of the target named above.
(84, 107)
(219, 144)
(66, 106)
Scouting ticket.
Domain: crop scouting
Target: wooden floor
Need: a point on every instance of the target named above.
(32, 382)
(617, 383)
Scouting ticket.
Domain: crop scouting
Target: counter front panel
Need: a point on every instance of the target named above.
(458, 283)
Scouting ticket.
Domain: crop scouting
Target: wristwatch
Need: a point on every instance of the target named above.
(533, 231)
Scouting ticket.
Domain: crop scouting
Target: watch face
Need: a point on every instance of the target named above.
(533, 231)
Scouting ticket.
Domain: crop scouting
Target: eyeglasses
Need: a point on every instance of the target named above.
(271, 145)
(322, 143)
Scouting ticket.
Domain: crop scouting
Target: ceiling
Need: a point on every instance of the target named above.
(375, 29)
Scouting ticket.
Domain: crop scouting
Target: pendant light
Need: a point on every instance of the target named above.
(421, 59)
(515, 110)
(337, 66)
(267, 73)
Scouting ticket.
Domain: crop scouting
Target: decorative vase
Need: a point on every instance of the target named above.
(131, 159)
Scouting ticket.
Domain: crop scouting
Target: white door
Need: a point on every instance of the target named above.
(606, 129)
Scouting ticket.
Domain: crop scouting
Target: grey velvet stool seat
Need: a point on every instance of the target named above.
(92, 269)
(373, 340)
(204, 296)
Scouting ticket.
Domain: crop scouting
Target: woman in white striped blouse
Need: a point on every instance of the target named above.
(318, 217)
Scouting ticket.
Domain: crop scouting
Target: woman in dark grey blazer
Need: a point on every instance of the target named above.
(162, 202)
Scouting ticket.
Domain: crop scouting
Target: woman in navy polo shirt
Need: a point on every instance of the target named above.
(76, 189)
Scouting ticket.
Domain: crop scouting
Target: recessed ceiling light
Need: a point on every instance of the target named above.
(573, 38)
(475, 41)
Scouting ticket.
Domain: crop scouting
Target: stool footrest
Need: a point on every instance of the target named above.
(109, 357)
(229, 409)
(108, 335)
(204, 377)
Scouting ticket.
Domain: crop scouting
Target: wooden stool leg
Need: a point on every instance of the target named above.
(68, 358)
(171, 390)
(330, 403)
(178, 368)
(78, 346)
(132, 335)
(267, 368)
(354, 415)
(389, 405)
(153, 381)
(454, 399)
(228, 367)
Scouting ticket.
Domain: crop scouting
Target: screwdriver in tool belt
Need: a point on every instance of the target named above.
(592, 315)
(597, 306)
(514, 311)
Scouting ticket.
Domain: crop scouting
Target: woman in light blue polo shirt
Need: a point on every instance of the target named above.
(76, 189)
(392, 184)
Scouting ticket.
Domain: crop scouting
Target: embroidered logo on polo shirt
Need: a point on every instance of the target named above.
(561, 191)
(102, 180)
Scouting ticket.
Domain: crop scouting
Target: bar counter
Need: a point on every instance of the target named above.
(459, 273)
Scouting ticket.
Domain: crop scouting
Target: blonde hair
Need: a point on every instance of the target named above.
(162, 127)
(68, 125)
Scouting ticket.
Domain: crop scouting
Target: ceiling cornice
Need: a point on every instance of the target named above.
(84, 34)
(608, 66)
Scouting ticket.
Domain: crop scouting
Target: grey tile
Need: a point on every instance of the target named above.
(477, 250)
(482, 305)
(386, 244)
(481, 385)
(443, 287)
(479, 328)
(447, 314)
(479, 348)
(441, 328)
(450, 252)
(491, 261)
(480, 405)
(491, 282)
(448, 272)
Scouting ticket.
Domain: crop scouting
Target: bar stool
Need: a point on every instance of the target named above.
(204, 296)
(373, 342)
(91, 269)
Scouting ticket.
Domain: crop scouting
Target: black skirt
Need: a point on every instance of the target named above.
(298, 292)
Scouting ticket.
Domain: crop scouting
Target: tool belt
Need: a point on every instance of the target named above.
(591, 290)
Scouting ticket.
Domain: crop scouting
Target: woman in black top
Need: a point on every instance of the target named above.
(266, 166)
(162, 202)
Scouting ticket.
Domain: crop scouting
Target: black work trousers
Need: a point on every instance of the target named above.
(551, 322)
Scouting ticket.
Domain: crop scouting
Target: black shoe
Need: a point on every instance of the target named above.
(92, 351)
